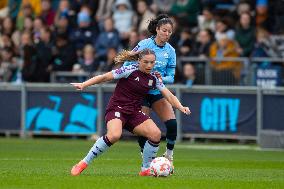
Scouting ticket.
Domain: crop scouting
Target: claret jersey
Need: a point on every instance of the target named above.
(132, 88)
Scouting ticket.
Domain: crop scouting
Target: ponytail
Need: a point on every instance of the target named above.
(126, 56)
(132, 56)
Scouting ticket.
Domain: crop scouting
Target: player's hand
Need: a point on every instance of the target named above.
(159, 76)
(185, 110)
(78, 86)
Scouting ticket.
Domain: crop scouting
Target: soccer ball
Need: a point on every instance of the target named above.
(160, 167)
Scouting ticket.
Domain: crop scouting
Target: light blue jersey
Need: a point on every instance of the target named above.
(165, 60)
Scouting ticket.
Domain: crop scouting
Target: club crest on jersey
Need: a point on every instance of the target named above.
(136, 79)
(117, 114)
(150, 83)
(166, 55)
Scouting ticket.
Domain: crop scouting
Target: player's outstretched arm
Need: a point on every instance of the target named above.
(172, 99)
(94, 80)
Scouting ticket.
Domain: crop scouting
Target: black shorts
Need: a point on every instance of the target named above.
(150, 99)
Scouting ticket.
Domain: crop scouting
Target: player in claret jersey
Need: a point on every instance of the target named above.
(124, 108)
(161, 29)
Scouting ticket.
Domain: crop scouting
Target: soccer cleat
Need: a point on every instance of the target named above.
(171, 159)
(145, 173)
(78, 168)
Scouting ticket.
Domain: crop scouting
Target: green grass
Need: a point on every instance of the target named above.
(42, 163)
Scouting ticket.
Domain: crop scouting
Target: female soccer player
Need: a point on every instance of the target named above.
(161, 29)
(124, 108)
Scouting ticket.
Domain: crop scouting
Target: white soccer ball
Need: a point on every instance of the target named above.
(160, 167)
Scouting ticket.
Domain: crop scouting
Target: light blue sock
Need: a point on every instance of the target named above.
(101, 145)
(149, 153)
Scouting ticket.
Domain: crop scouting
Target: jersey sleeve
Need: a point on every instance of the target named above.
(140, 46)
(123, 72)
(159, 84)
(171, 68)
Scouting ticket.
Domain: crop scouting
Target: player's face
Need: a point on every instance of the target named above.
(164, 32)
(147, 63)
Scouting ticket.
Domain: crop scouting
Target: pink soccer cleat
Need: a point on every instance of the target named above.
(78, 168)
(145, 173)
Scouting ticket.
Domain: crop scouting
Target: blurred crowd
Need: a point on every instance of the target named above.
(38, 37)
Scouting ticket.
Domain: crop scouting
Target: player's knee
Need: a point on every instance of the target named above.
(113, 137)
(155, 135)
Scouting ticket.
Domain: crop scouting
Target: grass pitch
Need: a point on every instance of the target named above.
(42, 163)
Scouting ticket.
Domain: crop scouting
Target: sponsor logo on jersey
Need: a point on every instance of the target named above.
(119, 71)
(136, 79)
(136, 48)
(150, 83)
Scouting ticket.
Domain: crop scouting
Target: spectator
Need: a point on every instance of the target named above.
(8, 29)
(243, 7)
(245, 35)
(222, 27)
(26, 11)
(185, 43)
(176, 33)
(30, 61)
(262, 14)
(64, 54)
(203, 43)
(37, 26)
(44, 54)
(35, 5)
(133, 40)
(8, 65)
(85, 33)
(14, 8)
(186, 12)
(188, 74)
(47, 14)
(206, 20)
(62, 26)
(109, 64)
(64, 11)
(5, 41)
(109, 38)
(81, 5)
(264, 46)
(144, 15)
(124, 19)
(104, 10)
(28, 24)
(225, 47)
(89, 62)
(161, 6)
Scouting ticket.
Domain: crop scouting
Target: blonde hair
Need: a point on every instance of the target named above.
(88, 48)
(126, 55)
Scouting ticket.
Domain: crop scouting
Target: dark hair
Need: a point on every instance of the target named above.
(250, 17)
(161, 19)
(132, 56)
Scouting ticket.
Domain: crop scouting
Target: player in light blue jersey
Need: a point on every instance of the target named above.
(161, 29)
